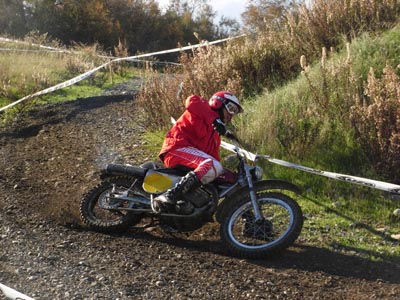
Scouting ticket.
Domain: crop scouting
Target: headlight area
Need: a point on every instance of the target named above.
(256, 173)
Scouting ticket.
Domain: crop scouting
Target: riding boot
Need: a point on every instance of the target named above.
(172, 201)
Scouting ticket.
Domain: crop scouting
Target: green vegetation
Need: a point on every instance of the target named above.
(25, 73)
(322, 117)
(362, 226)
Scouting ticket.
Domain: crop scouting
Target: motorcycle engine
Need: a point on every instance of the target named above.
(200, 197)
(205, 197)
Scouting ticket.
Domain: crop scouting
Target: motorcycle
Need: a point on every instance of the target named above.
(256, 217)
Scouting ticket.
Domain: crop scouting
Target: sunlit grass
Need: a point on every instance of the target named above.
(359, 226)
(24, 73)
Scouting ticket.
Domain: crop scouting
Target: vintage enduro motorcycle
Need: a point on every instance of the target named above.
(256, 217)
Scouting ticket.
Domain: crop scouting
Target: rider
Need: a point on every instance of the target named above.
(194, 142)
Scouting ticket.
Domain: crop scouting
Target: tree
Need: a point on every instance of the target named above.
(12, 17)
(193, 16)
(74, 21)
(262, 13)
(139, 24)
(227, 27)
(136, 22)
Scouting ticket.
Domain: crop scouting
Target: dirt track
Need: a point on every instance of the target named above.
(48, 159)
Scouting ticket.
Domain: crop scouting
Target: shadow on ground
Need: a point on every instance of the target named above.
(300, 257)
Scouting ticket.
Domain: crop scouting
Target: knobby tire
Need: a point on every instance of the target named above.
(122, 221)
(263, 250)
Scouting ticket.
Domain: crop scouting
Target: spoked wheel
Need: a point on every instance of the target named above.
(100, 210)
(246, 237)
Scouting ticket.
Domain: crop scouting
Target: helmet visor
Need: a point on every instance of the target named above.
(232, 108)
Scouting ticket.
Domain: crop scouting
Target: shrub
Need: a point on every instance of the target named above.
(202, 72)
(376, 117)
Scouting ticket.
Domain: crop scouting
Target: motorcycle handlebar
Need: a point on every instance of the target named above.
(231, 136)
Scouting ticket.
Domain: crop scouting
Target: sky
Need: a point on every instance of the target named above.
(227, 8)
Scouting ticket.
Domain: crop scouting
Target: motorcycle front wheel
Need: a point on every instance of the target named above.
(100, 212)
(247, 238)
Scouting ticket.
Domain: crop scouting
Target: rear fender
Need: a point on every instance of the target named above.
(123, 170)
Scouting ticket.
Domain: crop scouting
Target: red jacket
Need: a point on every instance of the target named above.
(194, 129)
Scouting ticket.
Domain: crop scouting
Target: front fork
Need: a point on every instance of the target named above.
(253, 196)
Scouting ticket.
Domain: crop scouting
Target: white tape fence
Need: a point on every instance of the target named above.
(13, 294)
(380, 185)
(2, 39)
(116, 60)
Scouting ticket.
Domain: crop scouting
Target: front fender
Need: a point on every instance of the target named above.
(262, 185)
(276, 184)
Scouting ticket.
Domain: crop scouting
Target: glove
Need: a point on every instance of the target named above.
(219, 126)
(231, 136)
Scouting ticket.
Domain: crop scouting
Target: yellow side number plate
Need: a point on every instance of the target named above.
(156, 183)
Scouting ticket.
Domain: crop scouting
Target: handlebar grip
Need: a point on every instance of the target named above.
(231, 136)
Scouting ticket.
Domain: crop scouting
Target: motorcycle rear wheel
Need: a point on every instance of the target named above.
(246, 238)
(107, 220)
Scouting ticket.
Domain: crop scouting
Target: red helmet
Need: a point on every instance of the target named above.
(227, 99)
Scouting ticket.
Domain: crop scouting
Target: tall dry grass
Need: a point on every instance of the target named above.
(376, 118)
(326, 21)
(204, 71)
(25, 73)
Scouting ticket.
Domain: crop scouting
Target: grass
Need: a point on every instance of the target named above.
(375, 52)
(310, 118)
(344, 226)
(24, 73)
(86, 88)
(344, 217)
(153, 142)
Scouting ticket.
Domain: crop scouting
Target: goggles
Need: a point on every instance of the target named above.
(232, 108)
